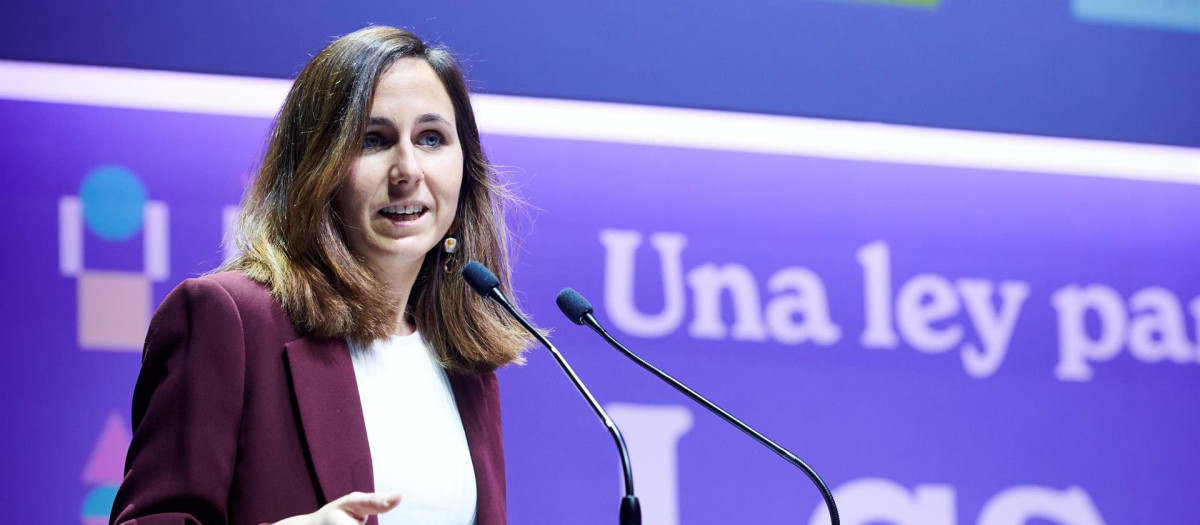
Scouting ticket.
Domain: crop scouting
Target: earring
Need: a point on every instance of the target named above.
(450, 245)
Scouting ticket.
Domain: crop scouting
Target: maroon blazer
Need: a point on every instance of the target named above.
(238, 419)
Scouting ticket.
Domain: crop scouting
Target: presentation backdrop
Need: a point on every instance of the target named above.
(1103, 69)
(945, 344)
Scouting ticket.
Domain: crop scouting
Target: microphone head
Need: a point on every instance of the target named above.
(573, 305)
(480, 278)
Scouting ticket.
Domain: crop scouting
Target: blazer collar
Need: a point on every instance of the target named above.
(326, 394)
(479, 408)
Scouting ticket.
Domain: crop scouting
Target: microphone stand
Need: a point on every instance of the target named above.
(631, 511)
(590, 320)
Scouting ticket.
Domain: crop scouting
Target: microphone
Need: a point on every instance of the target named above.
(579, 311)
(485, 283)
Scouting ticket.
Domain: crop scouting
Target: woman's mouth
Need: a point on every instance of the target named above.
(404, 213)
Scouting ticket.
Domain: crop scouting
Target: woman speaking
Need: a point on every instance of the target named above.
(339, 370)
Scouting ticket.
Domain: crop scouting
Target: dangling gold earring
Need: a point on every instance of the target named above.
(450, 245)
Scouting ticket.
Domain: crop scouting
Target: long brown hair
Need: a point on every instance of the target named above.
(291, 240)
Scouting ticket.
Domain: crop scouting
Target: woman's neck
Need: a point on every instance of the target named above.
(399, 278)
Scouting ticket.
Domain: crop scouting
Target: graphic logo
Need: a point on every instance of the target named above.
(113, 306)
(104, 470)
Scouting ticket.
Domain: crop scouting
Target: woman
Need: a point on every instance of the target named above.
(340, 359)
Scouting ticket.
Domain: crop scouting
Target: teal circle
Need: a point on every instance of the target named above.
(113, 199)
(99, 502)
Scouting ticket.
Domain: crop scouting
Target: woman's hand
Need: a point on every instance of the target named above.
(351, 509)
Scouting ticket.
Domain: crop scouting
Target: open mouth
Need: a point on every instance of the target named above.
(405, 213)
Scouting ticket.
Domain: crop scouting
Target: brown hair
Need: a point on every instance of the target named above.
(291, 239)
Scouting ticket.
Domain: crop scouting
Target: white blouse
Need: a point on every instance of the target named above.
(418, 447)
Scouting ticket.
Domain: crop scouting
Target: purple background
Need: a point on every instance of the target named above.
(1128, 436)
(1020, 66)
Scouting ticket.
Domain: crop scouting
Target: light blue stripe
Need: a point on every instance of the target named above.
(1179, 15)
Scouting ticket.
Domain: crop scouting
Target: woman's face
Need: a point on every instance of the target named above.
(400, 196)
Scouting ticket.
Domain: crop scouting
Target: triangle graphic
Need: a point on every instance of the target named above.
(107, 463)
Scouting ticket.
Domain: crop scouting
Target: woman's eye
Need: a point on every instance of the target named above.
(431, 139)
(373, 141)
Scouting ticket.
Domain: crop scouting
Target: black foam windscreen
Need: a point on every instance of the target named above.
(573, 305)
(480, 278)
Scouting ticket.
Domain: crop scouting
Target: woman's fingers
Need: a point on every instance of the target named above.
(353, 508)
(362, 504)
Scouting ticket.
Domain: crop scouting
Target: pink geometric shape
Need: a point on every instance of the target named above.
(114, 310)
(92, 520)
(107, 463)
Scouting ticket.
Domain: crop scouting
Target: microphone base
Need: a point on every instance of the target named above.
(631, 511)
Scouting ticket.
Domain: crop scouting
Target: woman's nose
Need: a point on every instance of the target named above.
(406, 167)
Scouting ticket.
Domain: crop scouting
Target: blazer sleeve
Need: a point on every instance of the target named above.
(187, 408)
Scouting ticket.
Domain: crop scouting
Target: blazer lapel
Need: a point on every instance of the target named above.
(479, 407)
(326, 395)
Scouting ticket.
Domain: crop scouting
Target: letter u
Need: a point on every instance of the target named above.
(620, 247)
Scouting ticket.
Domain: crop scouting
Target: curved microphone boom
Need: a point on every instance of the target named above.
(485, 283)
(579, 311)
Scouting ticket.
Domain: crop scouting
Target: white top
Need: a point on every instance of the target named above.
(418, 447)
